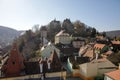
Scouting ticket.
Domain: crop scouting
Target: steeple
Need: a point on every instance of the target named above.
(43, 32)
(14, 64)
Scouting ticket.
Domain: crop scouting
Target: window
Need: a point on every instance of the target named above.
(13, 62)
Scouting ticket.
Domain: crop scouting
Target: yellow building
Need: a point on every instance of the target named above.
(88, 71)
(62, 37)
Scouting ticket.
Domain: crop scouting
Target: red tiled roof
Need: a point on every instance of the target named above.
(86, 51)
(89, 53)
(108, 53)
(116, 42)
(99, 46)
(114, 74)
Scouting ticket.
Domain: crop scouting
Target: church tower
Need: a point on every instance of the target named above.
(43, 32)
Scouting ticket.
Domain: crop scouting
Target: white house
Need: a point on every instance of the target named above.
(62, 37)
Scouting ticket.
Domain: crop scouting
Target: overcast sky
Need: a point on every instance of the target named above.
(104, 15)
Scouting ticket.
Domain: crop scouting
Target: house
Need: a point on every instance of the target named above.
(77, 43)
(116, 45)
(116, 42)
(113, 75)
(76, 61)
(13, 65)
(88, 71)
(66, 52)
(106, 54)
(44, 65)
(50, 67)
(74, 37)
(87, 51)
(48, 49)
(101, 48)
(62, 37)
(95, 51)
(51, 64)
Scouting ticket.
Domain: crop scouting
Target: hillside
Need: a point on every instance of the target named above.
(30, 42)
(113, 33)
(7, 35)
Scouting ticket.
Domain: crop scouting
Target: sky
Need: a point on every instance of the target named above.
(104, 15)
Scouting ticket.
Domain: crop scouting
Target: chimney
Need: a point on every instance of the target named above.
(41, 67)
(79, 54)
(96, 56)
(48, 63)
(119, 66)
(75, 58)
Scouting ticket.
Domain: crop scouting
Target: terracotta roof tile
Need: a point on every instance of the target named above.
(99, 46)
(108, 53)
(116, 42)
(114, 74)
(89, 53)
